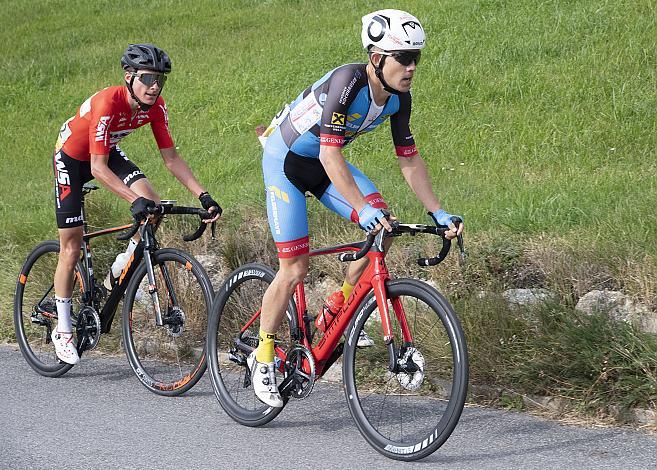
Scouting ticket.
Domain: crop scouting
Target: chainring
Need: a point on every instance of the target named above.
(297, 361)
(88, 328)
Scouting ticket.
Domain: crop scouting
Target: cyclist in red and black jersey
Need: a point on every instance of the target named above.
(87, 148)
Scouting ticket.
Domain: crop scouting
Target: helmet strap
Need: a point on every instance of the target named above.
(143, 106)
(378, 71)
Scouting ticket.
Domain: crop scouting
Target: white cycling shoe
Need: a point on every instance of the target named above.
(263, 379)
(64, 347)
(364, 341)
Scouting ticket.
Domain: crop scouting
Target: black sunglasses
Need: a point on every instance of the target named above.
(405, 57)
(149, 79)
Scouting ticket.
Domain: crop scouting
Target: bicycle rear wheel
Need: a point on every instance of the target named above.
(35, 313)
(168, 359)
(407, 414)
(236, 303)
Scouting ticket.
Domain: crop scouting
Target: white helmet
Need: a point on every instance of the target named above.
(392, 30)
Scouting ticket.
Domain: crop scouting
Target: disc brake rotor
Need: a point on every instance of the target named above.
(175, 322)
(411, 367)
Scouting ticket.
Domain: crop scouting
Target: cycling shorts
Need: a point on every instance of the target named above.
(288, 177)
(71, 174)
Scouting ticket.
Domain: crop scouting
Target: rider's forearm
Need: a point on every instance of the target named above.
(108, 178)
(339, 174)
(179, 168)
(415, 173)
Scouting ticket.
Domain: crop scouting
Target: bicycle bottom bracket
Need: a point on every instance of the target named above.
(300, 373)
(88, 328)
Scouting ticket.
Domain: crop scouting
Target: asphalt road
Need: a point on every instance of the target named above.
(99, 416)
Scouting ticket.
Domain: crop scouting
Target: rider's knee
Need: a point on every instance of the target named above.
(69, 253)
(293, 274)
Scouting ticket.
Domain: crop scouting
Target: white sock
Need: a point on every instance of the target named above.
(63, 315)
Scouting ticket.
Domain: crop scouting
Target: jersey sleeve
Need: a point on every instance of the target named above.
(160, 125)
(400, 127)
(100, 117)
(343, 87)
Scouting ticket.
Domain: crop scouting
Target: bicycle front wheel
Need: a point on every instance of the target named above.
(408, 413)
(35, 313)
(232, 329)
(168, 359)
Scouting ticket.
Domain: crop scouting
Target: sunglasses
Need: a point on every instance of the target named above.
(149, 79)
(405, 58)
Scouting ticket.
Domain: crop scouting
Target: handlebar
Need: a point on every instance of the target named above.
(367, 244)
(398, 229)
(179, 210)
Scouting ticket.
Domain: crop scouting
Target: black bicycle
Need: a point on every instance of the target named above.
(167, 297)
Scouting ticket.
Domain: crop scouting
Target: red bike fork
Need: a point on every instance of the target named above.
(379, 277)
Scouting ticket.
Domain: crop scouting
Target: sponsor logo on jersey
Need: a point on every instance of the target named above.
(305, 114)
(166, 115)
(294, 248)
(62, 177)
(101, 128)
(331, 140)
(274, 210)
(346, 90)
(338, 119)
(353, 117)
(127, 179)
(406, 150)
(70, 220)
(280, 194)
(116, 136)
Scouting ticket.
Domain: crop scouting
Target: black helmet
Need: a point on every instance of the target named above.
(145, 56)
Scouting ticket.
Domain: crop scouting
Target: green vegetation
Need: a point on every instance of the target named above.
(538, 121)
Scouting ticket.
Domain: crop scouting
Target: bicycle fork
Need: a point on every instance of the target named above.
(152, 286)
(379, 288)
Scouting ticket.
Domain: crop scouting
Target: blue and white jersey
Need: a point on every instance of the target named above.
(338, 107)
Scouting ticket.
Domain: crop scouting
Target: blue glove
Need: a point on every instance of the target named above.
(369, 217)
(441, 217)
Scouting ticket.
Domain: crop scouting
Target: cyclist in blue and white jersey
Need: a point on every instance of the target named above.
(303, 153)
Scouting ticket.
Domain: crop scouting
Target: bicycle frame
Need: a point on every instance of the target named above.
(373, 279)
(147, 243)
(108, 311)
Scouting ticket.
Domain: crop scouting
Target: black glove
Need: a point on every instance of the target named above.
(141, 208)
(207, 202)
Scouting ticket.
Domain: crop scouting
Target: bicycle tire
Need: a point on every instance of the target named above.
(429, 412)
(34, 290)
(239, 298)
(170, 359)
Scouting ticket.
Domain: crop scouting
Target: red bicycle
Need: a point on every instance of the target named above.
(406, 393)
